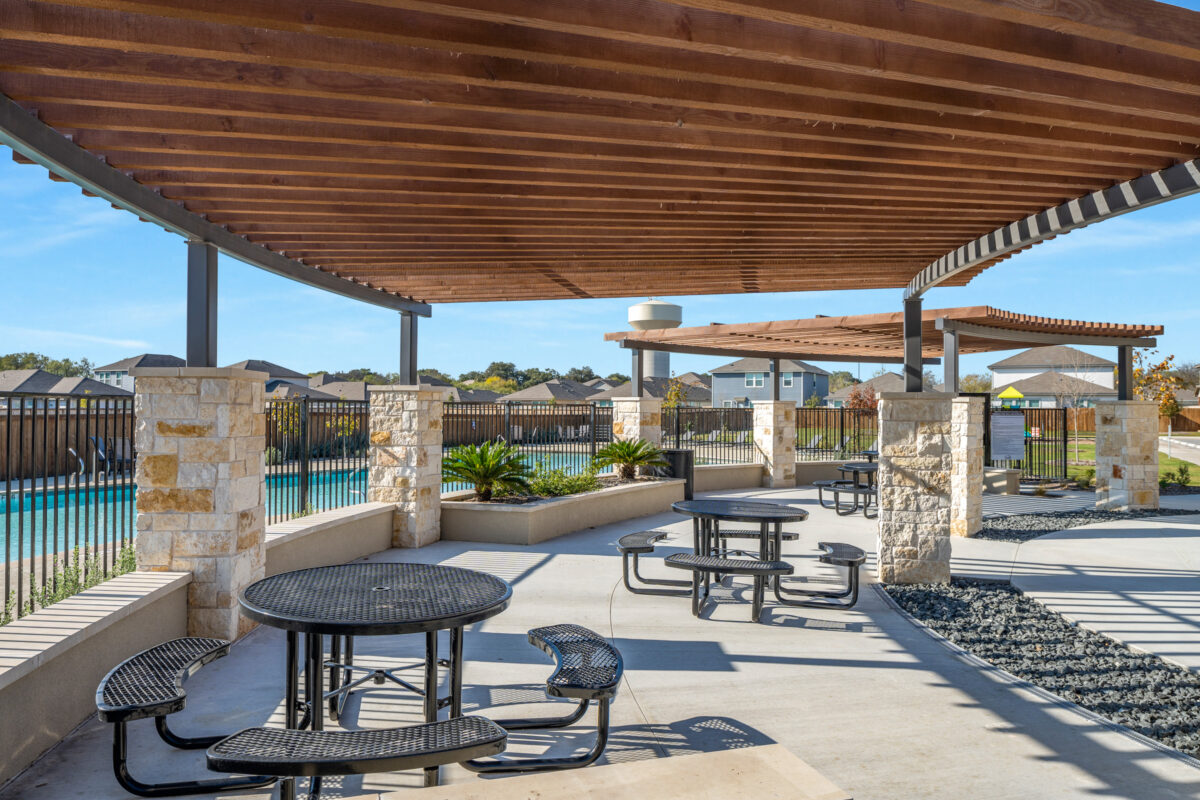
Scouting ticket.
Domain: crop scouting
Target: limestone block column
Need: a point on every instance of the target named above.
(966, 478)
(638, 418)
(1127, 455)
(915, 462)
(775, 438)
(405, 460)
(200, 436)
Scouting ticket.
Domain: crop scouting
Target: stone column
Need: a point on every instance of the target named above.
(405, 460)
(1127, 455)
(638, 418)
(966, 477)
(775, 438)
(914, 487)
(200, 437)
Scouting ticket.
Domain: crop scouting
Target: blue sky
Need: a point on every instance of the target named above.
(81, 279)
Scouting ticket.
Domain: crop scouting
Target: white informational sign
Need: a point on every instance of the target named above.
(1008, 436)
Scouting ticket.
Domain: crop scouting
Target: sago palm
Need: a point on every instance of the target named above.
(627, 456)
(487, 467)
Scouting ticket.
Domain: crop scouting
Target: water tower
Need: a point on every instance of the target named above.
(651, 315)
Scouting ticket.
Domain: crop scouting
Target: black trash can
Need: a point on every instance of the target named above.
(681, 463)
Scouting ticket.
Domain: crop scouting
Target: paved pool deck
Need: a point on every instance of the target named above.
(872, 702)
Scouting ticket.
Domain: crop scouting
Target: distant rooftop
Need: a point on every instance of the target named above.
(38, 381)
(1056, 384)
(273, 370)
(764, 365)
(144, 360)
(558, 389)
(1059, 355)
(658, 387)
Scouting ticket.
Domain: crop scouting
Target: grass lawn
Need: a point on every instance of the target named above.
(1087, 453)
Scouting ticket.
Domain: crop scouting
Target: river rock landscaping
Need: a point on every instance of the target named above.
(1023, 527)
(997, 623)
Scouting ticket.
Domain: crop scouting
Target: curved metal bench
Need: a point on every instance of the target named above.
(824, 485)
(839, 554)
(150, 684)
(586, 668)
(869, 499)
(315, 754)
(637, 544)
(702, 566)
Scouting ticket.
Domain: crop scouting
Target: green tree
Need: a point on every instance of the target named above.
(975, 383)
(435, 373)
(617, 378)
(841, 379)
(535, 375)
(581, 374)
(488, 467)
(55, 366)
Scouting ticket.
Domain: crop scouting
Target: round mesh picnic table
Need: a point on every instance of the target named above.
(375, 599)
(740, 511)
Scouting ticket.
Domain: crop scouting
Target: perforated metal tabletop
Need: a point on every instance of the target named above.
(740, 511)
(375, 599)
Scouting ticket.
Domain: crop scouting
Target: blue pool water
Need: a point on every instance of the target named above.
(66, 519)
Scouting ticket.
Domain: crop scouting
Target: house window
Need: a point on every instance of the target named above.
(756, 380)
(785, 380)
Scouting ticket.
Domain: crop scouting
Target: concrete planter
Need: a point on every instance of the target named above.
(531, 523)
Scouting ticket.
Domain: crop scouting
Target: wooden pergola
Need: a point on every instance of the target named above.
(881, 338)
(407, 152)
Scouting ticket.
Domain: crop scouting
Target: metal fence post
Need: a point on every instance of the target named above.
(304, 454)
(1064, 471)
(592, 430)
(508, 423)
(841, 429)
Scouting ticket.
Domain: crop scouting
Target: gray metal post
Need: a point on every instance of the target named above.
(950, 360)
(638, 361)
(201, 304)
(913, 372)
(775, 379)
(1125, 372)
(408, 349)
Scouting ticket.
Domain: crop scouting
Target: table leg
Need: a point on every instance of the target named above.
(696, 536)
(291, 703)
(764, 542)
(456, 671)
(431, 695)
(314, 645)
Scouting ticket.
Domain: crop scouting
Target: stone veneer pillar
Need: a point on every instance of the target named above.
(966, 476)
(638, 418)
(200, 437)
(405, 460)
(915, 462)
(1127, 455)
(775, 438)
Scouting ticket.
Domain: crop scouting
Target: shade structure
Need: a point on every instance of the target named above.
(880, 337)
(462, 150)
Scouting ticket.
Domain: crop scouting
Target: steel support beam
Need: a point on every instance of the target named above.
(950, 360)
(1037, 339)
(775, 379)
(638, 368)
(634, 344)
(1124, 372)
(913, 373)
(35, 140)
(201, 304)
(1173, 182)
(408, 349)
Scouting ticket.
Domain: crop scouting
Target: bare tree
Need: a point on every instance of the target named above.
(1070, 390)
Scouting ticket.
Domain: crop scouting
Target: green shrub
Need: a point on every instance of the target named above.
(628, 456)
(1165, 479)
(67, 580)
(1086, 478)
(1184, 474)
(488, 467)
(273, 456)
(549, 482)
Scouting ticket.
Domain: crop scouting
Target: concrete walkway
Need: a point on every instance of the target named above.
(870, 701)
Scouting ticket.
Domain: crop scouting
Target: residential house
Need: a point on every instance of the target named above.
(887, 382)
(1054, 390)
(1086, 379)
(742, 382)
(557, 390)
(117, 373)
(287, 390)
(1187, 398)
(360, 390)
(274, 371)
(695, 395)
(38, 381)
(601, 384)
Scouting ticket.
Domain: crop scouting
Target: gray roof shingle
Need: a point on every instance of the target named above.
(764, 365)
(1059, 355)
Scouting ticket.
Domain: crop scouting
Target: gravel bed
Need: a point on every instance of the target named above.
(1023, 527)
(1000, 625)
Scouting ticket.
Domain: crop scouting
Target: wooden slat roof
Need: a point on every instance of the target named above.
(867, 336)
(461, 150)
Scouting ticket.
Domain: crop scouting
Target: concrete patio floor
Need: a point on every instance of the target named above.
(873, 703)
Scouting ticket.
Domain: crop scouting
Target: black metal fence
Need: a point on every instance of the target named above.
(1046, 441)
(716, 435)
(316, 454)
(833, 433)
(561, 436)
(66, 495)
